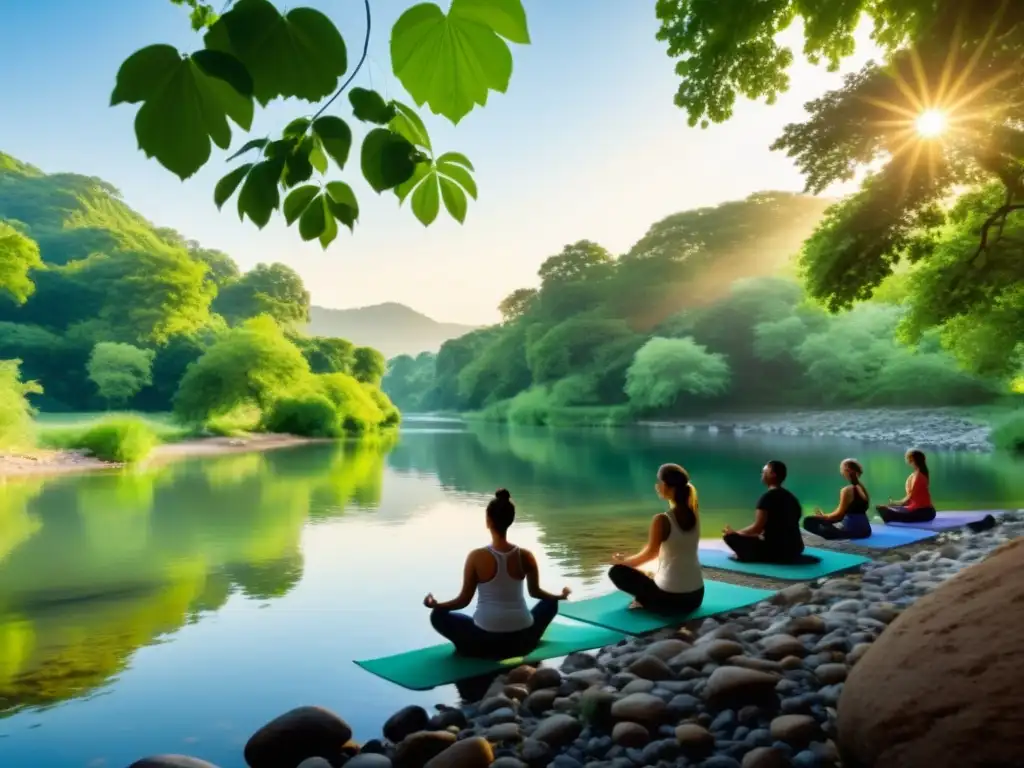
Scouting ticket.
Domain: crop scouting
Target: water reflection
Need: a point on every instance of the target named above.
(94, 567)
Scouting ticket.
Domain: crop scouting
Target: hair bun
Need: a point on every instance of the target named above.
(503, 495)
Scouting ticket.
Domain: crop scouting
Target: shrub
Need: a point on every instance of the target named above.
(356, 407)
(308, 415)
(1008, 434)
(124, 440)
(16, 427)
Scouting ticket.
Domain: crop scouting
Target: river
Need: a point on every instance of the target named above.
(178, 609)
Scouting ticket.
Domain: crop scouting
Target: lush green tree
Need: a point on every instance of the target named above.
(666, 372)
(410, 382)
(452, 358)
(943, 109)
(499, 370)
(368, 365)
(119, 371)
(252, 365)
(18, 257)
(252, 54)
(275, 290)
(517, 304)
(571, 346)
(221, 268)
(15, 411)
(325, 354)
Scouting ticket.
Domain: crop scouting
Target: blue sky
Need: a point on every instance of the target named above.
(586, 144)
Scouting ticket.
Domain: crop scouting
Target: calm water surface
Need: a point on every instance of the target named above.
(178, 609)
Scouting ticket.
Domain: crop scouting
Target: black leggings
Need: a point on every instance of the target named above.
(471, 640)
(753, 549)
(828, 530)
(896, 514)
(650, 595)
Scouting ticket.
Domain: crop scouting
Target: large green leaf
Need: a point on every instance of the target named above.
(300, 54)
(458, 174)
(451, 62)
(388, 159)
(454, 199)
(330, 230)
(297, 201)
(226, 186)
(426, 200)
(260, 196)
(184, 107)
(342, 203)
(335, 138)
(313, 219)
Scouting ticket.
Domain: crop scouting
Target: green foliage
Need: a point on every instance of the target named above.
(251, 365)
(368, 365)
(253, 54)
(119, 371)
(275, 290)
(16, 427)
(325, 354)
(517, 304)
(124, 440)
(361, 408)
(18, 257)
(409, 382)
(1008, 433)
(451, 62)
(667, 371)
(308, 415)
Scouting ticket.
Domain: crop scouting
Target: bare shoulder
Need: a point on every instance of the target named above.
(527, 555)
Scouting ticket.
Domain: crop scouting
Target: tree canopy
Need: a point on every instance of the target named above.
(119, 371)
(940, 113)
(274, 290)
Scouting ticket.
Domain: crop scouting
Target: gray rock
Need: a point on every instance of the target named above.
(300, 733)
(797, 593)
(557, 730)
(765, 757)
(857, 653)
(752, 662)
(683, 704)
(831, 673)
(545, 677)
(469, 753)
(534, 751)
(630, 734)
(504, 762)
(713, 650)
(172, 761)
(721, 761)
(446, 719)
(585, 678)
(365, 760)
(503, 732)
(405, 721)
(650, 667)
(540, 701)
(694, 740)
(638, 686)
(733, 687)
(798, 730)
(416, 749)
(779, 646)
(640, 708)
(495, 703)
(666, 649)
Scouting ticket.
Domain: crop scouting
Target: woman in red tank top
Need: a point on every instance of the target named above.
(916, 506)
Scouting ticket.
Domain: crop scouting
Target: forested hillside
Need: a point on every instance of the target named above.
(669, 328)
(394, 329)
(104, 309)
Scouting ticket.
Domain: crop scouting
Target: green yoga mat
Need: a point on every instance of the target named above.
(428, 668)
(612, 611)
(830, 561)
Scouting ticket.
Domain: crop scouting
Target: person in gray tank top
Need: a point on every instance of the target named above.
(674, 537)
(503, 627)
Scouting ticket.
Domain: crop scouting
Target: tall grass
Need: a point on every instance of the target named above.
(121, 438)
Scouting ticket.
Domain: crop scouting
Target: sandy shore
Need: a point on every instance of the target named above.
(43, 462)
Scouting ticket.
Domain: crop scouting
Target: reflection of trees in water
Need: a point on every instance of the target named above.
(591, 491)
(105, 564)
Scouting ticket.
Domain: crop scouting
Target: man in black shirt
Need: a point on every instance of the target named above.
(774, 536)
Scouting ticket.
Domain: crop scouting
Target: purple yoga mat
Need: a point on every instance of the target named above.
(945, 521)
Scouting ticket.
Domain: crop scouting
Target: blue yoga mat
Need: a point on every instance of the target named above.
(427, 668)
(612, 611)
(888, 537)
(946, 521)
(829, 561)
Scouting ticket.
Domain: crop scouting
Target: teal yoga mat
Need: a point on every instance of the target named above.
(428, 668)
(830, 561)
(612, 611)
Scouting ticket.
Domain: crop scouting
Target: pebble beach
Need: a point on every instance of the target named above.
(756, 688)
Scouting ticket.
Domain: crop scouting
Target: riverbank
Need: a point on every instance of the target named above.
(63, 462)
(752, 689)
(943, 428)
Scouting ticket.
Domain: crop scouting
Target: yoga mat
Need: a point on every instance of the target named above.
(946, 521)
(830, 561)
(887, 537)
(428, 668)
(612, 611)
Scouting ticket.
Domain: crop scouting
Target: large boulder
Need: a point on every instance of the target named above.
(942, 684)
(296, 735)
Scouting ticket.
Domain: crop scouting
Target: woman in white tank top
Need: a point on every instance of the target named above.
(678, 586)
(502, 626)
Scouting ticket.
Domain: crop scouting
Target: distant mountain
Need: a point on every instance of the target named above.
(394, 329)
